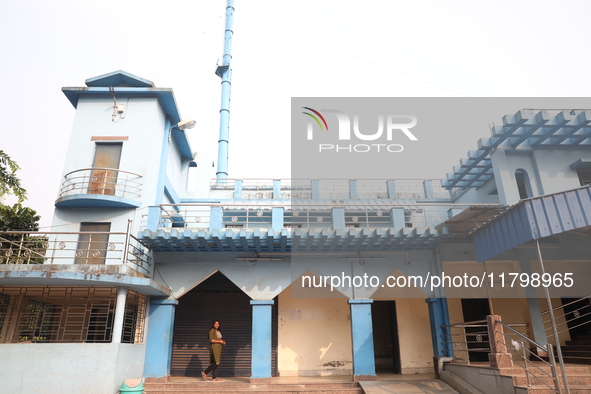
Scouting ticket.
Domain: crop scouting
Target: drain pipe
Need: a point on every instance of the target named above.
(440, 362)
(225, 73)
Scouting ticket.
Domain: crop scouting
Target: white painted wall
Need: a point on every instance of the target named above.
(553, 167)
(57, 368)
(314, 336)
(548, 170)
(261, 280)
(480, 195)
(144, 125)
(414, 333)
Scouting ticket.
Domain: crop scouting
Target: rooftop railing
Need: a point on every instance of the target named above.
(304, 214)
(331, 189)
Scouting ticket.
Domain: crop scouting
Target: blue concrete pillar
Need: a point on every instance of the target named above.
(277, 218)
(237, 189)
(338, 218)
(261, 340)
(276, 188)
(391, 186)
(353, 189)
(159, 341)
(397, 216)
(439, 316)
(216, 218)
(364, 365)
(315, 190)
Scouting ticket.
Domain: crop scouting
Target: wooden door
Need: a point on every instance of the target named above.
(103, 177)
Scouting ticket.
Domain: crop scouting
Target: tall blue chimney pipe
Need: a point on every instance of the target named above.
(225, 73)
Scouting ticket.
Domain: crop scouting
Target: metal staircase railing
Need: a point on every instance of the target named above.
(525, 352)
(526, 355)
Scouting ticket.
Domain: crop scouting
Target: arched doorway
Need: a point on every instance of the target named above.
(216, 298)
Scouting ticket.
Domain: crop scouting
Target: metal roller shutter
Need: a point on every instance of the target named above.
(215, 299)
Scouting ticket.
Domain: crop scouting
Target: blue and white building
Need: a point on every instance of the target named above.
(138, 265)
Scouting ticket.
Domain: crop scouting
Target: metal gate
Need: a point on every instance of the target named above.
(217, 298)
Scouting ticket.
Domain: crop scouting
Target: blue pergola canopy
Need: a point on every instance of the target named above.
(526, 128)
(532, 219)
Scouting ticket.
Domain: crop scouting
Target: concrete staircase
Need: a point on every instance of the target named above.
(578, 351)
(228, 386)
(579, 379)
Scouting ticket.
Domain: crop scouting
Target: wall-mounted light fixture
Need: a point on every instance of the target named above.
(182, 125)
(185, 124)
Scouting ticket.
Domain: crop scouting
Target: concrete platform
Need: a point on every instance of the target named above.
(417, 383)
(385, 383)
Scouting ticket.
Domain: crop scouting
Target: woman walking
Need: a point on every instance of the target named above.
(215, 351)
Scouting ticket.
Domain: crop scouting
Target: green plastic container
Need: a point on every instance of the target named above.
(131, 389)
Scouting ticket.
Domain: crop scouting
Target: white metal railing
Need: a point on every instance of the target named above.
(247, 214)
(577, 315)
(338, 188)
(99, 248)
(467, 337)
(102, 181)
(522, 356)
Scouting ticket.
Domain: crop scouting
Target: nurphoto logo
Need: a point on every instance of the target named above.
(389, 127)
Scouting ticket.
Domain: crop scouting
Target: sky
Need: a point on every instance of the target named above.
(281, 49)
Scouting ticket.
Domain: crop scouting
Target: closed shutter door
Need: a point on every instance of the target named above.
(194, 315)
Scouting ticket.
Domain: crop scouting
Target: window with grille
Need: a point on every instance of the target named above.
(37, 321)
(4, 300)
(135, 315)
(68, 315)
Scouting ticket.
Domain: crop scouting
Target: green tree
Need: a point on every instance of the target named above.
(9, 183)
(18, 218)
(20, 248)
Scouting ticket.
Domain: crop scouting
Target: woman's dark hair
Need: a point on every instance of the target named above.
(213, 323)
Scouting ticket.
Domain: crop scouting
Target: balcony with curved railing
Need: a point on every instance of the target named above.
(100, 187)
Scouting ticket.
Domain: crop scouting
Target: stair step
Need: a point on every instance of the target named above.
(540, 379)
(541, 389)
(579, 342)
(274, 390)
(232, 387)
(573, 359)
(572, 369)
(576, 345)
(576, 352)
(577, 360)
(270, 390)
